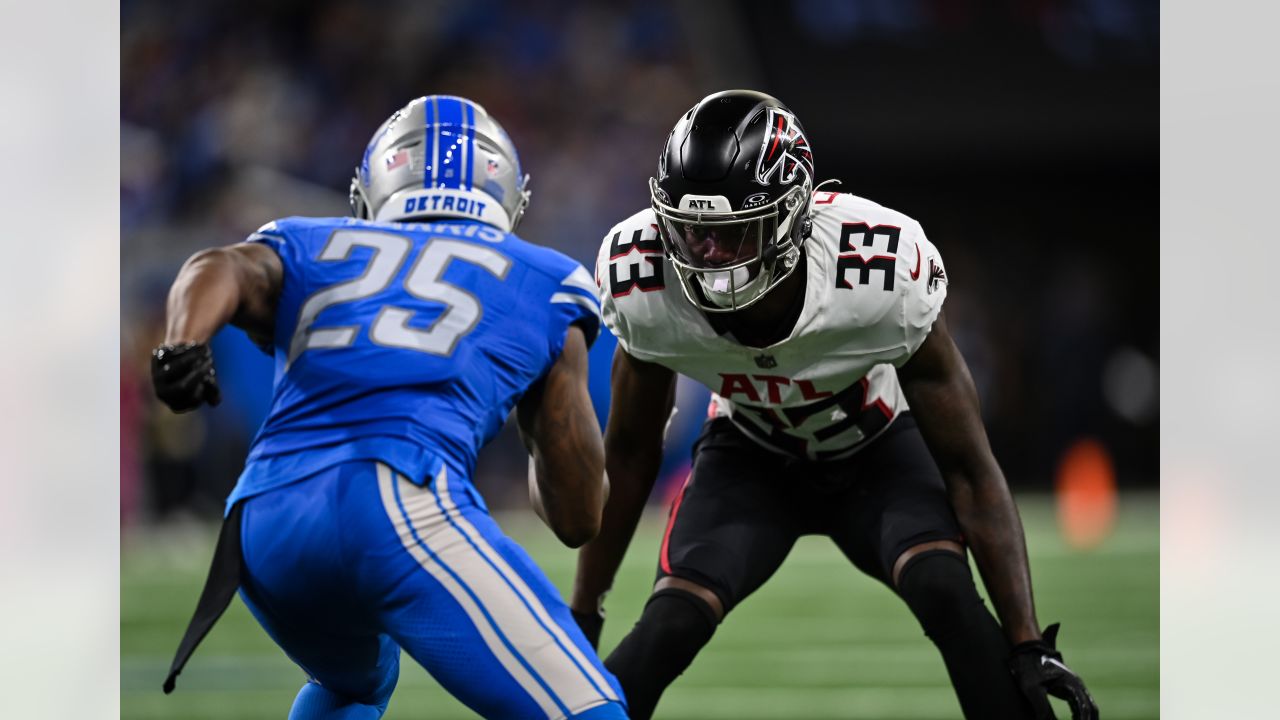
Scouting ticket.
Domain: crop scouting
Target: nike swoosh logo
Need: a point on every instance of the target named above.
(1046, 660)
(915, 274)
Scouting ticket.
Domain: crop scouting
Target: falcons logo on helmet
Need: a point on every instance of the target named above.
(937, 275)
(785, 150)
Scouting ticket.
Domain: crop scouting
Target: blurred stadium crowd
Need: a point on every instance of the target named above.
(1022, 134)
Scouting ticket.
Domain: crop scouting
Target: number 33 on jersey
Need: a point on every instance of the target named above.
(874, 286)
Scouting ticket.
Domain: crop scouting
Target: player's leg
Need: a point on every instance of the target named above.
(729, 530)
(347, 678)
(470, 605)
(938, 586)
(297, 584)
(897, 525)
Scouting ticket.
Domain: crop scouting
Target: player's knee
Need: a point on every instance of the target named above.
(938, 587)
(678, 612)
(707, 595)
(316, 701)
(672, 629)
(370, 687)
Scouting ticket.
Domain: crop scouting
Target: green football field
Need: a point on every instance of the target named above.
(818, 641)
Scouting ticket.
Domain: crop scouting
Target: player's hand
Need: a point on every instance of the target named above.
(1039, 671)
(183, 376)
(591, 624)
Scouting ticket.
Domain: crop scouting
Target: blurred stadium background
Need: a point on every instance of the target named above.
(1021, 133)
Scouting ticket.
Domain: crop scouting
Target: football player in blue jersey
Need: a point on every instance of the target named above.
(402, 339)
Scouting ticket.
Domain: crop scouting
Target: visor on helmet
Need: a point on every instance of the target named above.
(717, 245)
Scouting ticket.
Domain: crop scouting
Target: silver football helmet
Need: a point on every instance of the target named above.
(441, 156)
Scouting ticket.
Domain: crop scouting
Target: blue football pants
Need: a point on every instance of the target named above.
(347, 567)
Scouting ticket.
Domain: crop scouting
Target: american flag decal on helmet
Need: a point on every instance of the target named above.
(785, 150)
(400, 157)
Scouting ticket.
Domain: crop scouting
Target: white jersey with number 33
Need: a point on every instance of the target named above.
(874, 287)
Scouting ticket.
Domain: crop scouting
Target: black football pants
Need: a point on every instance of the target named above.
(743, 509)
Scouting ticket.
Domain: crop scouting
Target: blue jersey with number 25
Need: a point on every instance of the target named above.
(407, 343)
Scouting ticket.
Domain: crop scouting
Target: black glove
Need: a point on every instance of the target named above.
(591, 624)
(183, 376)
(1038, 669)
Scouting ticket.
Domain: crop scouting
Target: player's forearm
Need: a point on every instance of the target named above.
(993, 531)
(631, 480)
(203, 298)
(572, 487)
(558, 425)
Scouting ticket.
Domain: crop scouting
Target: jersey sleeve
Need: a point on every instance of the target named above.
(273, 236)
(282, 237)
(610, 314)
(926, 289)
(574, 302)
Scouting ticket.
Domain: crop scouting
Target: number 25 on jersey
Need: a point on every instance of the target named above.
(424, 281)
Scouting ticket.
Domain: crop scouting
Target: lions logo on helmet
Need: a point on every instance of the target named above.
(441, 156)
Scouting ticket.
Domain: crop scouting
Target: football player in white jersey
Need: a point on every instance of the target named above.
(842, 407)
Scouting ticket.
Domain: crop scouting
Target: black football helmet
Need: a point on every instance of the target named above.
(733, 196)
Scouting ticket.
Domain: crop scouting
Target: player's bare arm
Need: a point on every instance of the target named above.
(642, 397)
(237, 284)
(940, 390)
(943, 399)
(559, 429)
